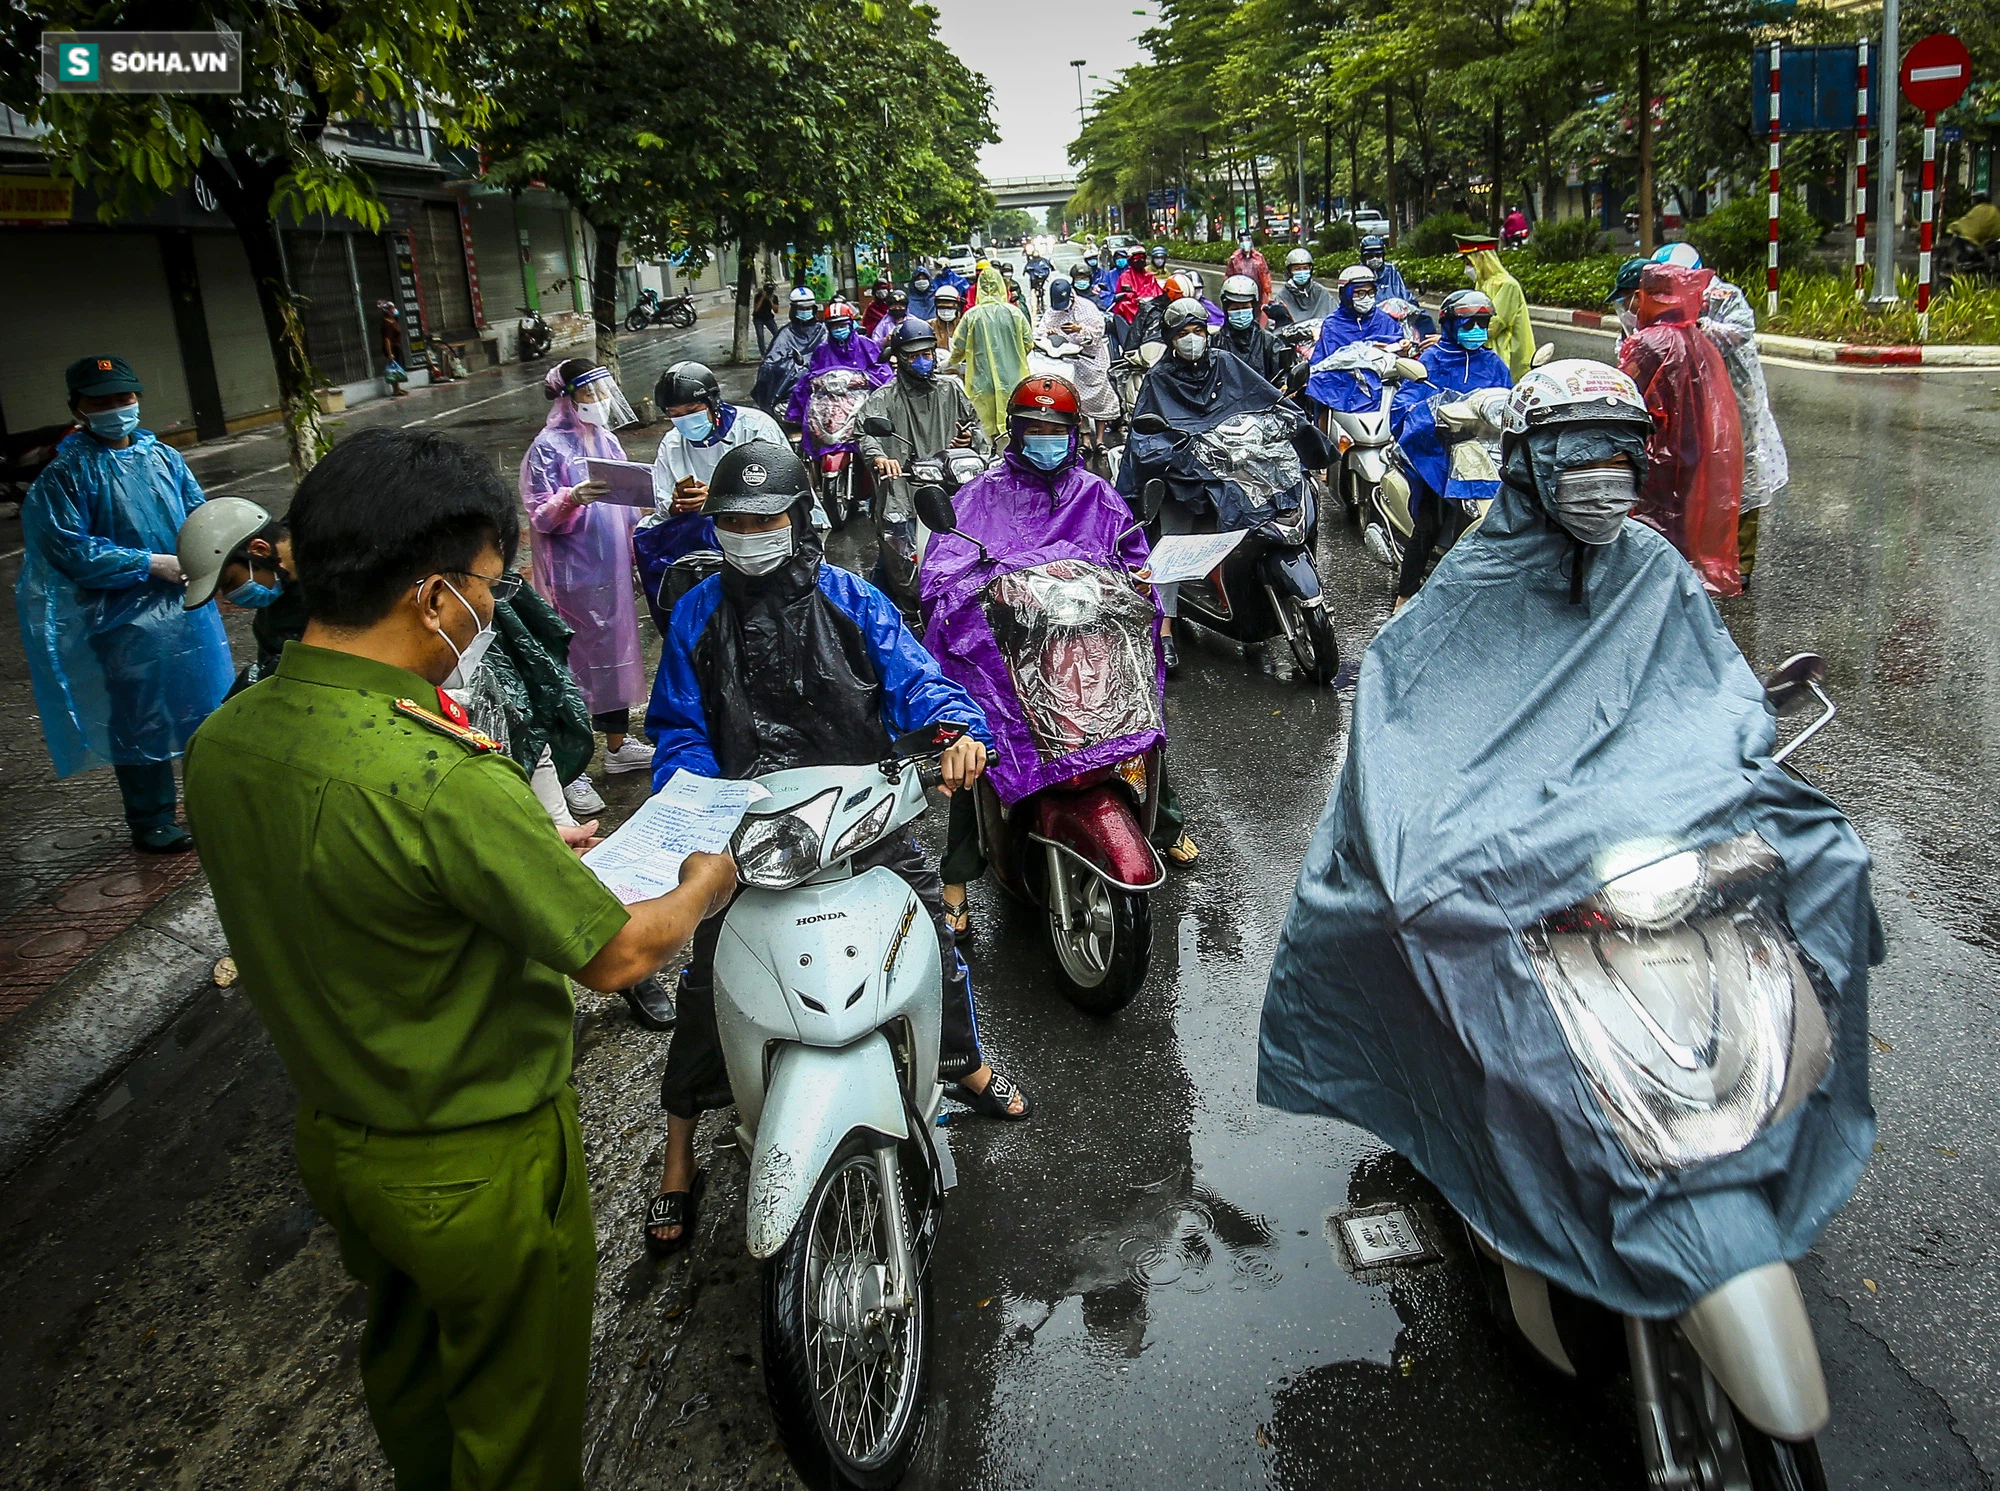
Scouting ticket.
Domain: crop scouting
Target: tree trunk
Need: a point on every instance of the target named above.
(243, 189)
(1493, 213)
(1646, 244)
(746, 290)
(1326, 171)
(1389, 158)
(1257, 189)
(604, 292)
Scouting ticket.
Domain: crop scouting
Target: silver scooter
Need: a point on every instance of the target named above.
(1683, 995)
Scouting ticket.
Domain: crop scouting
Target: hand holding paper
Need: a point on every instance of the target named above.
(1189, 556)
(627, 483)
(690, 815)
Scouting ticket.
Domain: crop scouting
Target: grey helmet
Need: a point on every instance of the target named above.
(1299, 258)
(1185, 314)
(213, 532)
(759, 478)
(687, 383)
(1239, 289)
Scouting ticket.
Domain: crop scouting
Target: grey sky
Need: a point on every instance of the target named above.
(1024, 48)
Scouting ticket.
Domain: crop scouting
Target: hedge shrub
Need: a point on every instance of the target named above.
(1567, 240)
(1732, 240)
(1435, 235)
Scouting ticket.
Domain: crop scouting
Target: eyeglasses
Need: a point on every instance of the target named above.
(503, 587)
(1480, 321)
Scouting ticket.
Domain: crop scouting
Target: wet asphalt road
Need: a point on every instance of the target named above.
(1138, 1287)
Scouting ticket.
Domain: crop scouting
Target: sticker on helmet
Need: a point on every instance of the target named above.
(755, 475)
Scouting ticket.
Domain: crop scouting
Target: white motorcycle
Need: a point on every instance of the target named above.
(829, 993)
(1361, 438)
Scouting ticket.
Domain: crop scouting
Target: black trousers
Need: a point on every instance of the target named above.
(1435, 521)
(696, 1078)
(613, 722)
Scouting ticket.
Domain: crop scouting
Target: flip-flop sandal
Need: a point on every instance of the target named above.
(996, 1101)
(958, 916)
(1183, 851)
(674, 1209)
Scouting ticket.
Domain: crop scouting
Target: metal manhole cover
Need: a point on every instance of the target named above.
(1394, 1235)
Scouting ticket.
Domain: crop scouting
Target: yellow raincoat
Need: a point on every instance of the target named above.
(992, 345)
(1512, 336)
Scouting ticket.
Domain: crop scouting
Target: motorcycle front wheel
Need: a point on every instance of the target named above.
(681, 316)
(1313, 646)
(1104, 947)
(1350, 498)
(635, 320)
(1776, 1465)
(847, 1378)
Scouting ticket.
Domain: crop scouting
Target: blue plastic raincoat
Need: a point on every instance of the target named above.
(121, 674)
(1358, 389)
(1413, 419)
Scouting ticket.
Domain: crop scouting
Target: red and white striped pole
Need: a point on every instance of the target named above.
(1861, 176)
(1924, 232)
(1771, 264)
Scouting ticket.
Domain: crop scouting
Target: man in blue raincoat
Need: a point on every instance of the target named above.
(1447, 484)
(122, 674)
(1356, 319)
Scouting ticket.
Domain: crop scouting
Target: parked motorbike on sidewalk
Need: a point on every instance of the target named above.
(650, 310)
(901, 534)
(1682, 990)
(23, 454)
(1078, 641)
(537, 336)
(828, 1000)
(1268, 586)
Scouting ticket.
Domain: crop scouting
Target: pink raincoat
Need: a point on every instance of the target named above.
(1694, 477)
(583, 558)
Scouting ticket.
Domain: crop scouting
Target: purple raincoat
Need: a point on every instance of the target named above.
(857, 354)
(583, 558)
(1027, 519)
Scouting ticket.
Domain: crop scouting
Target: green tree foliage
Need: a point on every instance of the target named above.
(270, 154)
(1008, 225)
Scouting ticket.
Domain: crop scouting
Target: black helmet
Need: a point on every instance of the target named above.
(687, 383)
(760, 478)
(913, 336)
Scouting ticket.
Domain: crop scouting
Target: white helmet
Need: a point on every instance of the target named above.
(1239, 287)
(1356, 274)
(1680, 255)
(1574, 391)
(1299, 258)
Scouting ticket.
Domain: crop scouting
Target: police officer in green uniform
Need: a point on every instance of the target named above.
(403, 913)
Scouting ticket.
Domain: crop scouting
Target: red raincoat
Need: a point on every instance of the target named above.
(1694, 481)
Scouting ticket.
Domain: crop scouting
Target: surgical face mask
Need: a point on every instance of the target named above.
(697, 426)
(1628, 319)
(1046, 451)
(1245, 244)
(1471, 273)
(1302, 277)
(252, 595)
(947, 313)
(1374, 262)
(840, 331)
(114, 424)
(595, 412)
(1120, 262)
(920, 285)
(1091, 261)
(1242, 318)
(1159, 261)
(1080, 284)
(803, 315)
(756, 553)
(1472, 338)
(1191, 346)
(1592, 503)
(1364, 303)
(469, 655)
(923, 366)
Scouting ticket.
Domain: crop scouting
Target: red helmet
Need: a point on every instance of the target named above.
(840, 310)
(1045, 398)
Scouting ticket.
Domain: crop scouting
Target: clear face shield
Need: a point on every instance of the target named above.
(600, 401)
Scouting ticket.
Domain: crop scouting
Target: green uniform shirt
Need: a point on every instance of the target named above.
(397, 901)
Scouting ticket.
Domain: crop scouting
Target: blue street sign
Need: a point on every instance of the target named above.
(1816, 88)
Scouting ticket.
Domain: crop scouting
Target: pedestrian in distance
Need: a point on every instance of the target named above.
(764, 316)
(403, 914)
(389, 342)
(583, 557)
(122, 672)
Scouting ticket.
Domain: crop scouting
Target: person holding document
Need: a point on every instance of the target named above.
(404, 914)
(583, 556)
(782, 661)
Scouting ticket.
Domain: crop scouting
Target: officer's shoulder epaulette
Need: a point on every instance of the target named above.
(465, 735)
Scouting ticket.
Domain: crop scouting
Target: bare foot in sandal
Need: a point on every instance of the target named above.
(1183, 851)
(671, 1216)
(992, 1094)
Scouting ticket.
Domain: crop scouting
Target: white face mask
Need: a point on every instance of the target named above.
(596, 412)
(756, 553)
(1471, 273)
(1191, 346)
(1363, 304)
(470, 654)
(1627, 319)
(1592, 503)
(947, 313)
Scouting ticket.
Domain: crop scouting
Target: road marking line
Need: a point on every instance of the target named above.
(235, 481)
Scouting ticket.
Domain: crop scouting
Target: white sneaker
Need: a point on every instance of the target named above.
(634, 755)
(582, 797)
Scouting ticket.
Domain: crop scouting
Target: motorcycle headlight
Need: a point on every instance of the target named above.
(1069, 602)
(1686, 1004)
(778, 850)
(867, 831)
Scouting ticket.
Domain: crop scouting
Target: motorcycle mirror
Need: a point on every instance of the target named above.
(1544, 354)
(1151, 496)
(1788, 687)
(878, 425)
(1299, 376)
(929, 740)
(936, 510)
(1150, 424)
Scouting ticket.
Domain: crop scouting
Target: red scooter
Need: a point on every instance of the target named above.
(1078, 639)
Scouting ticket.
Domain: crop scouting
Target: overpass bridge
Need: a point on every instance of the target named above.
(1032, 191)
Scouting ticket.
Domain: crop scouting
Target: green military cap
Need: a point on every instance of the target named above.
(93, 377)
(1628, 278)
(1471, 243)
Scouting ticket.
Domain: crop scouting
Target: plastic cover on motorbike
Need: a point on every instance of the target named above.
(1503, 741)
(1453, 467)
(1048, 633)
(1694, 480)
(1254, 450)
(833, 408)
(1195, 399)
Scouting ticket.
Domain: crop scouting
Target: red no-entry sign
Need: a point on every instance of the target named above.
(1936, 72)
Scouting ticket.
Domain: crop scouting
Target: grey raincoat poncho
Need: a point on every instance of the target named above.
(1504, 737)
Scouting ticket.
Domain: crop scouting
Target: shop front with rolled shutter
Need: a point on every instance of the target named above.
(550, 261)
(438, 242)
